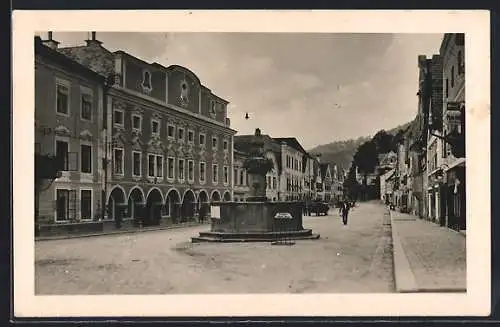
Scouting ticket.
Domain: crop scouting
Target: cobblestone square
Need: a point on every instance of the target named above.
(353, 258)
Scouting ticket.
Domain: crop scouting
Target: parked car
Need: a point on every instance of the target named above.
(319, 208)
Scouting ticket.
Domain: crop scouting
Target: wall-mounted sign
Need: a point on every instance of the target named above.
(283, 215)
(215, 212)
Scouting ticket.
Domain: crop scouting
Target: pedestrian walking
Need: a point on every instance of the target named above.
(344, 211)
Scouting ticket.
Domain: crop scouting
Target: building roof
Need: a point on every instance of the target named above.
(68, 63)
(97, 58)
(292, 142)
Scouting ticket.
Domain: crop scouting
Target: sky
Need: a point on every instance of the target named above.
(318, 88)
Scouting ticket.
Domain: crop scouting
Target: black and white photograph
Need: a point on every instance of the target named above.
(229, 165)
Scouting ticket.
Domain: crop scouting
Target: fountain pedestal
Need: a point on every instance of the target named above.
(257, 220)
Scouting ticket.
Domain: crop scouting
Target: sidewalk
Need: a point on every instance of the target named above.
(427, 257)
(124, 230)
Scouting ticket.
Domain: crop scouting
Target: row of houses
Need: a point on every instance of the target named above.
(296, 175)
(133, 139)
(428, 178)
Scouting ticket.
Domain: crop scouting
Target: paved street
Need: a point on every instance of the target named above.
(356, 258)
(436, 255)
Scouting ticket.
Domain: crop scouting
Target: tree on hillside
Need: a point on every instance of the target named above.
(351, 185)
(366, 157)
(383, 141)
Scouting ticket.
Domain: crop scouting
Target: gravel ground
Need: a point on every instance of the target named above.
(356, 258)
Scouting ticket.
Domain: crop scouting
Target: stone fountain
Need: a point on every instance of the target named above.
(258, 219)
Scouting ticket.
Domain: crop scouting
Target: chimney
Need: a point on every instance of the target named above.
(93, 41)
(50, 42)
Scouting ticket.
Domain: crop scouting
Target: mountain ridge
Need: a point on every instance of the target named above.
(342, 152)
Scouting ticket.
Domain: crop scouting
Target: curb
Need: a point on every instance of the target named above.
(119, 232)
(404, 278)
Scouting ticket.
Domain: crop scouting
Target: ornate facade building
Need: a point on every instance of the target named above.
(68, 126)
(167, 139)
(291, 175)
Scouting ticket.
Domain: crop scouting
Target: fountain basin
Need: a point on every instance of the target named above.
(258, 221)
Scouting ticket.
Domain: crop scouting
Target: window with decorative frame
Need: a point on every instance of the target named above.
(225, 145)
(190, 136)
(155, 127)
(226, 175)
(215, 173)
(86, 157)
(86, 106)
(191, 170)
(170, 168)
(118, 161)
(86, 204)
(66, 200)
(171, 131)
(62, 97)
(136, 122)
(202, 139)
(202, 172)
(118, 117)
(214, 142)
(136, 163)
(180, 133)
(181, 174)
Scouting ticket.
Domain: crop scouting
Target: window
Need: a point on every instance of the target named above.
(268, 182)
(274, 183)
(202, 140)
(214, 142)
(136, 122)
(136, 163)
(62, 154)
(86, 107)
(190, 137)
(181, 169)
(62, 99)
(86, 204)
(242, 178)
(170, 168)
(452, 73)
(155, 127)
(190, 170)
(226, 175)
(118, 117)
(171, 131)
(118, 161)
(235, 177)
(215, 175)
(225, 145)
(159, 166)
(86, 158)
(202, 172)
(180, 132)
(65, 205)
(446, 86)
(151, 165)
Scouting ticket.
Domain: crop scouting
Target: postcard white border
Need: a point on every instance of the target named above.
(476, 302)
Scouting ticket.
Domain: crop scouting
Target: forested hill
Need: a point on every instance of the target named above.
(342, 152)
